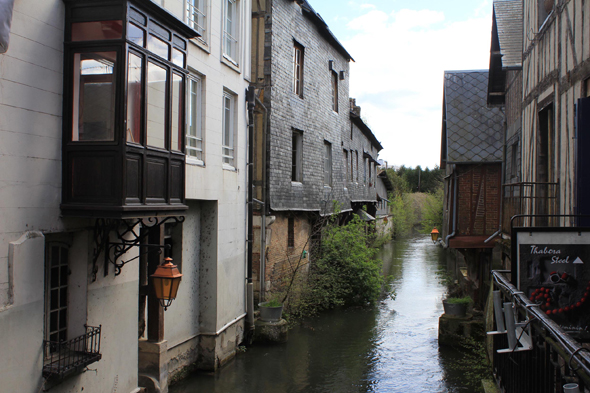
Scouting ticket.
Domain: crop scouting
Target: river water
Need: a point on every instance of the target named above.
(392, 347)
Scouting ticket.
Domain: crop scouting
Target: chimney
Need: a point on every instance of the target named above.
(354, 108)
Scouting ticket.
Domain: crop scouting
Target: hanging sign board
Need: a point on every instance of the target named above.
(553, 270)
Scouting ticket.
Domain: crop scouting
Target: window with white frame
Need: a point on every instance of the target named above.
(298, 69)
(57, 272)
(196, 11)
(297, 156)
(230, 30)
(357, 165)
(327, 163)
(345, 156)
(228, 129)
(334, 91)
(194, 132)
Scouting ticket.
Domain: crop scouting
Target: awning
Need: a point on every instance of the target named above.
(6, 7)
(364, 215)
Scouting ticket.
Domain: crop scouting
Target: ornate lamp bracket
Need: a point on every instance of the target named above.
(126, 234)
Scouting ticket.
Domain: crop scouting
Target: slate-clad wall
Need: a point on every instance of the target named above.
(359, 189)
(312, 114)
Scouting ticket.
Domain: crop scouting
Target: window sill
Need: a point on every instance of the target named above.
(201, 44)
(195, 162)
(297, 184)
(230, 63)
(227, 167)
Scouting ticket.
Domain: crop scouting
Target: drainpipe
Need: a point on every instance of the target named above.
(454, 208)
(6, 7)
(262, 273)
(250, 165)
(503, 177)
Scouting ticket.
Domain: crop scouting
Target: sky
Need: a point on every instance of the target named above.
(401, 49)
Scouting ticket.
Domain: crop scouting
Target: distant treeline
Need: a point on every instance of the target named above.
(416, 199)
(409, 180)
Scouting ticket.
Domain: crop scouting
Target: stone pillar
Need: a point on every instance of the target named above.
(153, 366)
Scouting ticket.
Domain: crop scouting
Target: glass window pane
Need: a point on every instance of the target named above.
(54, 256)
(63, 296)
(158, 47)
(99, 30)
(94, 96)
(136, 35)
(178, 57)
(53, 321)
(177, 83)
(156, 106)
(134, 86)
(54, 299)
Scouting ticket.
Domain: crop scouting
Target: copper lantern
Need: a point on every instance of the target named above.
(434, 235)
(166, 280)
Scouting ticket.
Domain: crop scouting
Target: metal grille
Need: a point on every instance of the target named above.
(67, 357)
(196, 16)
(554, 359)
(530, 198)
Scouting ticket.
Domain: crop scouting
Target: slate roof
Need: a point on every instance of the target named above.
(323, 27)
(508, 16)
(472, 132)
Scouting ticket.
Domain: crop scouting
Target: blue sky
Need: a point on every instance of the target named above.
(401, 49)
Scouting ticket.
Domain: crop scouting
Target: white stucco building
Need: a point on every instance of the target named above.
(123, 126)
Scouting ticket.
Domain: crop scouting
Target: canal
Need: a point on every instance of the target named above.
(391, 347)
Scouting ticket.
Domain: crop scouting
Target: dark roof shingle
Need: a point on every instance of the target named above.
(472, 132)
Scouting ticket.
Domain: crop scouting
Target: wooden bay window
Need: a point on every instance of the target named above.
(124, 91)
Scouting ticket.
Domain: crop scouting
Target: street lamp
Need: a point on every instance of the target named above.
(434, 235)
(166, 280)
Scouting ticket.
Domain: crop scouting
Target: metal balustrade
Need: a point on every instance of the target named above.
(528, 198)
(546, 360)
(68, 357)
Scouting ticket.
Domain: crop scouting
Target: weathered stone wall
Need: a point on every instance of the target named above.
(312, 114)
(282, 260)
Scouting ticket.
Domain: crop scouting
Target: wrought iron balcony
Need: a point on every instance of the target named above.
(69, 357)
(530, 198)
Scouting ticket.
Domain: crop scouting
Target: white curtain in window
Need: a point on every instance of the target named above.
(6, 7)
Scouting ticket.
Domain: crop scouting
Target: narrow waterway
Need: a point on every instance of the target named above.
(392, 347)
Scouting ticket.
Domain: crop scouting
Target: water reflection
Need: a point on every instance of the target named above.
(390, 348)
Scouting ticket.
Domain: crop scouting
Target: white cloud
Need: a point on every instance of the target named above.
(398, 75)
(367, 6)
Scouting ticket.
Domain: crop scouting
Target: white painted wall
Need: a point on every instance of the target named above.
(31, 80)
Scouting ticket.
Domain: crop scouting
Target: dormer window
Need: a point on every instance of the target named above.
(124, 91)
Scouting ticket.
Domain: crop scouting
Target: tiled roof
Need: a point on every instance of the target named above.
(508, 16)
(472, 131)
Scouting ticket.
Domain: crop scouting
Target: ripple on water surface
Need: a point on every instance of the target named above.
(390, 348)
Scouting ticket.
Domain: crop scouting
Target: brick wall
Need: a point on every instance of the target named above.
(282, 260)
(478, 199)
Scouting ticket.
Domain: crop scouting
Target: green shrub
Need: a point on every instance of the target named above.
(346, 272)
(459, 300)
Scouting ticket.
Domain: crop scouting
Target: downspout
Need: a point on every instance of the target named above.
(499, 231)
(250, 165)
(454, 208)
(6, 7)
(262, 273)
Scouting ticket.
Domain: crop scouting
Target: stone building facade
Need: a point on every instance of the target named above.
(303, 131)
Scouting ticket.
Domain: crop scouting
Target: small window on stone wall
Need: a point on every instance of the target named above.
(291, 232)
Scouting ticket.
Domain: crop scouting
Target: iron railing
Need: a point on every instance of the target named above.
(68, 357)
(551, 359)
(530, 198)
